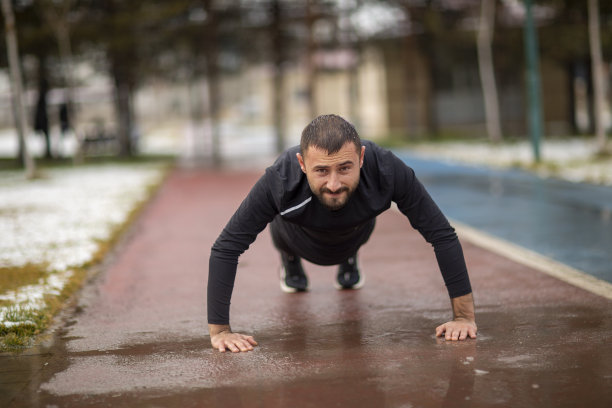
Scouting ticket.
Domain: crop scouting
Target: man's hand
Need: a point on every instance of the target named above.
(463, 323)
(458, 329)
(222, 338)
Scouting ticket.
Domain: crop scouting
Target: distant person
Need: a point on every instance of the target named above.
(321, 200)
(41, 118)
(64, 119)
(64, 125)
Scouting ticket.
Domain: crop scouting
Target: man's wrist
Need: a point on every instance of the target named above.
(464, 319)
(463, 308)
(214, 329)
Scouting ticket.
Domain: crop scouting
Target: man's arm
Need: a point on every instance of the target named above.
(416, 204)
(254, 213)
(222, 338)
(464, 320)
(424, 215)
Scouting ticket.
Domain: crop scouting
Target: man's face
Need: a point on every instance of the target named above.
(332, 177)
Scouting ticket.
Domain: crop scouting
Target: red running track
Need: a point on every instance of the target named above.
(139, 335)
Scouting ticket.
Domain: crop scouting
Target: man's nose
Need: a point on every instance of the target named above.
(333, 183)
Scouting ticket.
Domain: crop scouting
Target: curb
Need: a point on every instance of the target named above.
(534, 260)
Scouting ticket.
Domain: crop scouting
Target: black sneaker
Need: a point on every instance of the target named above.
(348, 275)
(292, 276)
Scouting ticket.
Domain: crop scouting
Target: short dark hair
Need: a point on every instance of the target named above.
(330, 133)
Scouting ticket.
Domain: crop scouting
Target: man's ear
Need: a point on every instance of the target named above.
(362, 156)
(301, 161)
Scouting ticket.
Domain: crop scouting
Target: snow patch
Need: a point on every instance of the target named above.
(60, 219)
(570, 159)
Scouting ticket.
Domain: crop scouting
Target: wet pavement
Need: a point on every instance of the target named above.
(568, 222)
(138, 335)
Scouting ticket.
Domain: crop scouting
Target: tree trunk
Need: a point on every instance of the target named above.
(124, 88)
(16, 83)
(597, 72)
(214, 95)
(426, 42)
(20, 159)
(278, 106)
(123, 105)
(212, 79)
(487, 71)
(350, 43)
(311, 73)
(431, 115)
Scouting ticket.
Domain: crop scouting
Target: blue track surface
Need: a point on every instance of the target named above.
(568, 222)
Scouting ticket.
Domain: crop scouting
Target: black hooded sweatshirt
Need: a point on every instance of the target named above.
(327, 237)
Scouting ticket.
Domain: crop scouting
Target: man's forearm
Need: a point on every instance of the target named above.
(221, 276)
(463, 307)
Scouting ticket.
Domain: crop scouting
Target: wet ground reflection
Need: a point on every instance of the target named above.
(372, 359)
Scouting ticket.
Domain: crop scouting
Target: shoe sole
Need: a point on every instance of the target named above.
(356, 286)
(283, 285)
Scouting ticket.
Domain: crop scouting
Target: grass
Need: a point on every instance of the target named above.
(12, 278)
(31, 323)
(14, 164)
(400, 140)
(35, 321)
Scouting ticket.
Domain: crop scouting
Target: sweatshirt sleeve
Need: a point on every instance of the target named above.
(255, 212)
(424, 215)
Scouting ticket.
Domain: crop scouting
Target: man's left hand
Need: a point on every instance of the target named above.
(458, 329)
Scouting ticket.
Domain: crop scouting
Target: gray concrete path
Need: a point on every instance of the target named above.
(138, 336)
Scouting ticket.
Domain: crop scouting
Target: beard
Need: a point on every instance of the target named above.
(336, 202)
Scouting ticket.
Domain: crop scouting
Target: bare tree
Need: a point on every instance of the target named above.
(17, 86)
(210, 40)
(597, 72)
(311, 74)
(487, 71)
(56, 14)
(278, 58)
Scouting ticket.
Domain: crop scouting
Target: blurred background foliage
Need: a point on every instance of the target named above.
(214, 70)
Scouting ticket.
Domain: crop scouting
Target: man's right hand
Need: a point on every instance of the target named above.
(222, 338)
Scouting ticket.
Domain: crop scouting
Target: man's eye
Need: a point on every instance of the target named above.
(322, 171)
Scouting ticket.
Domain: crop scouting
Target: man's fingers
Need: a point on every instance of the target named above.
(228, 345)
(451, 333)
(251, 340)
(456, 330)
(244, 345)
(455, 333)
(235, 346)
(248, 339)
(234, 342)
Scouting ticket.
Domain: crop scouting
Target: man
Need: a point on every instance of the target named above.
(352, 182)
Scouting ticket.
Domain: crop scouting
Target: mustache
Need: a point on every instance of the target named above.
(340, 190)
